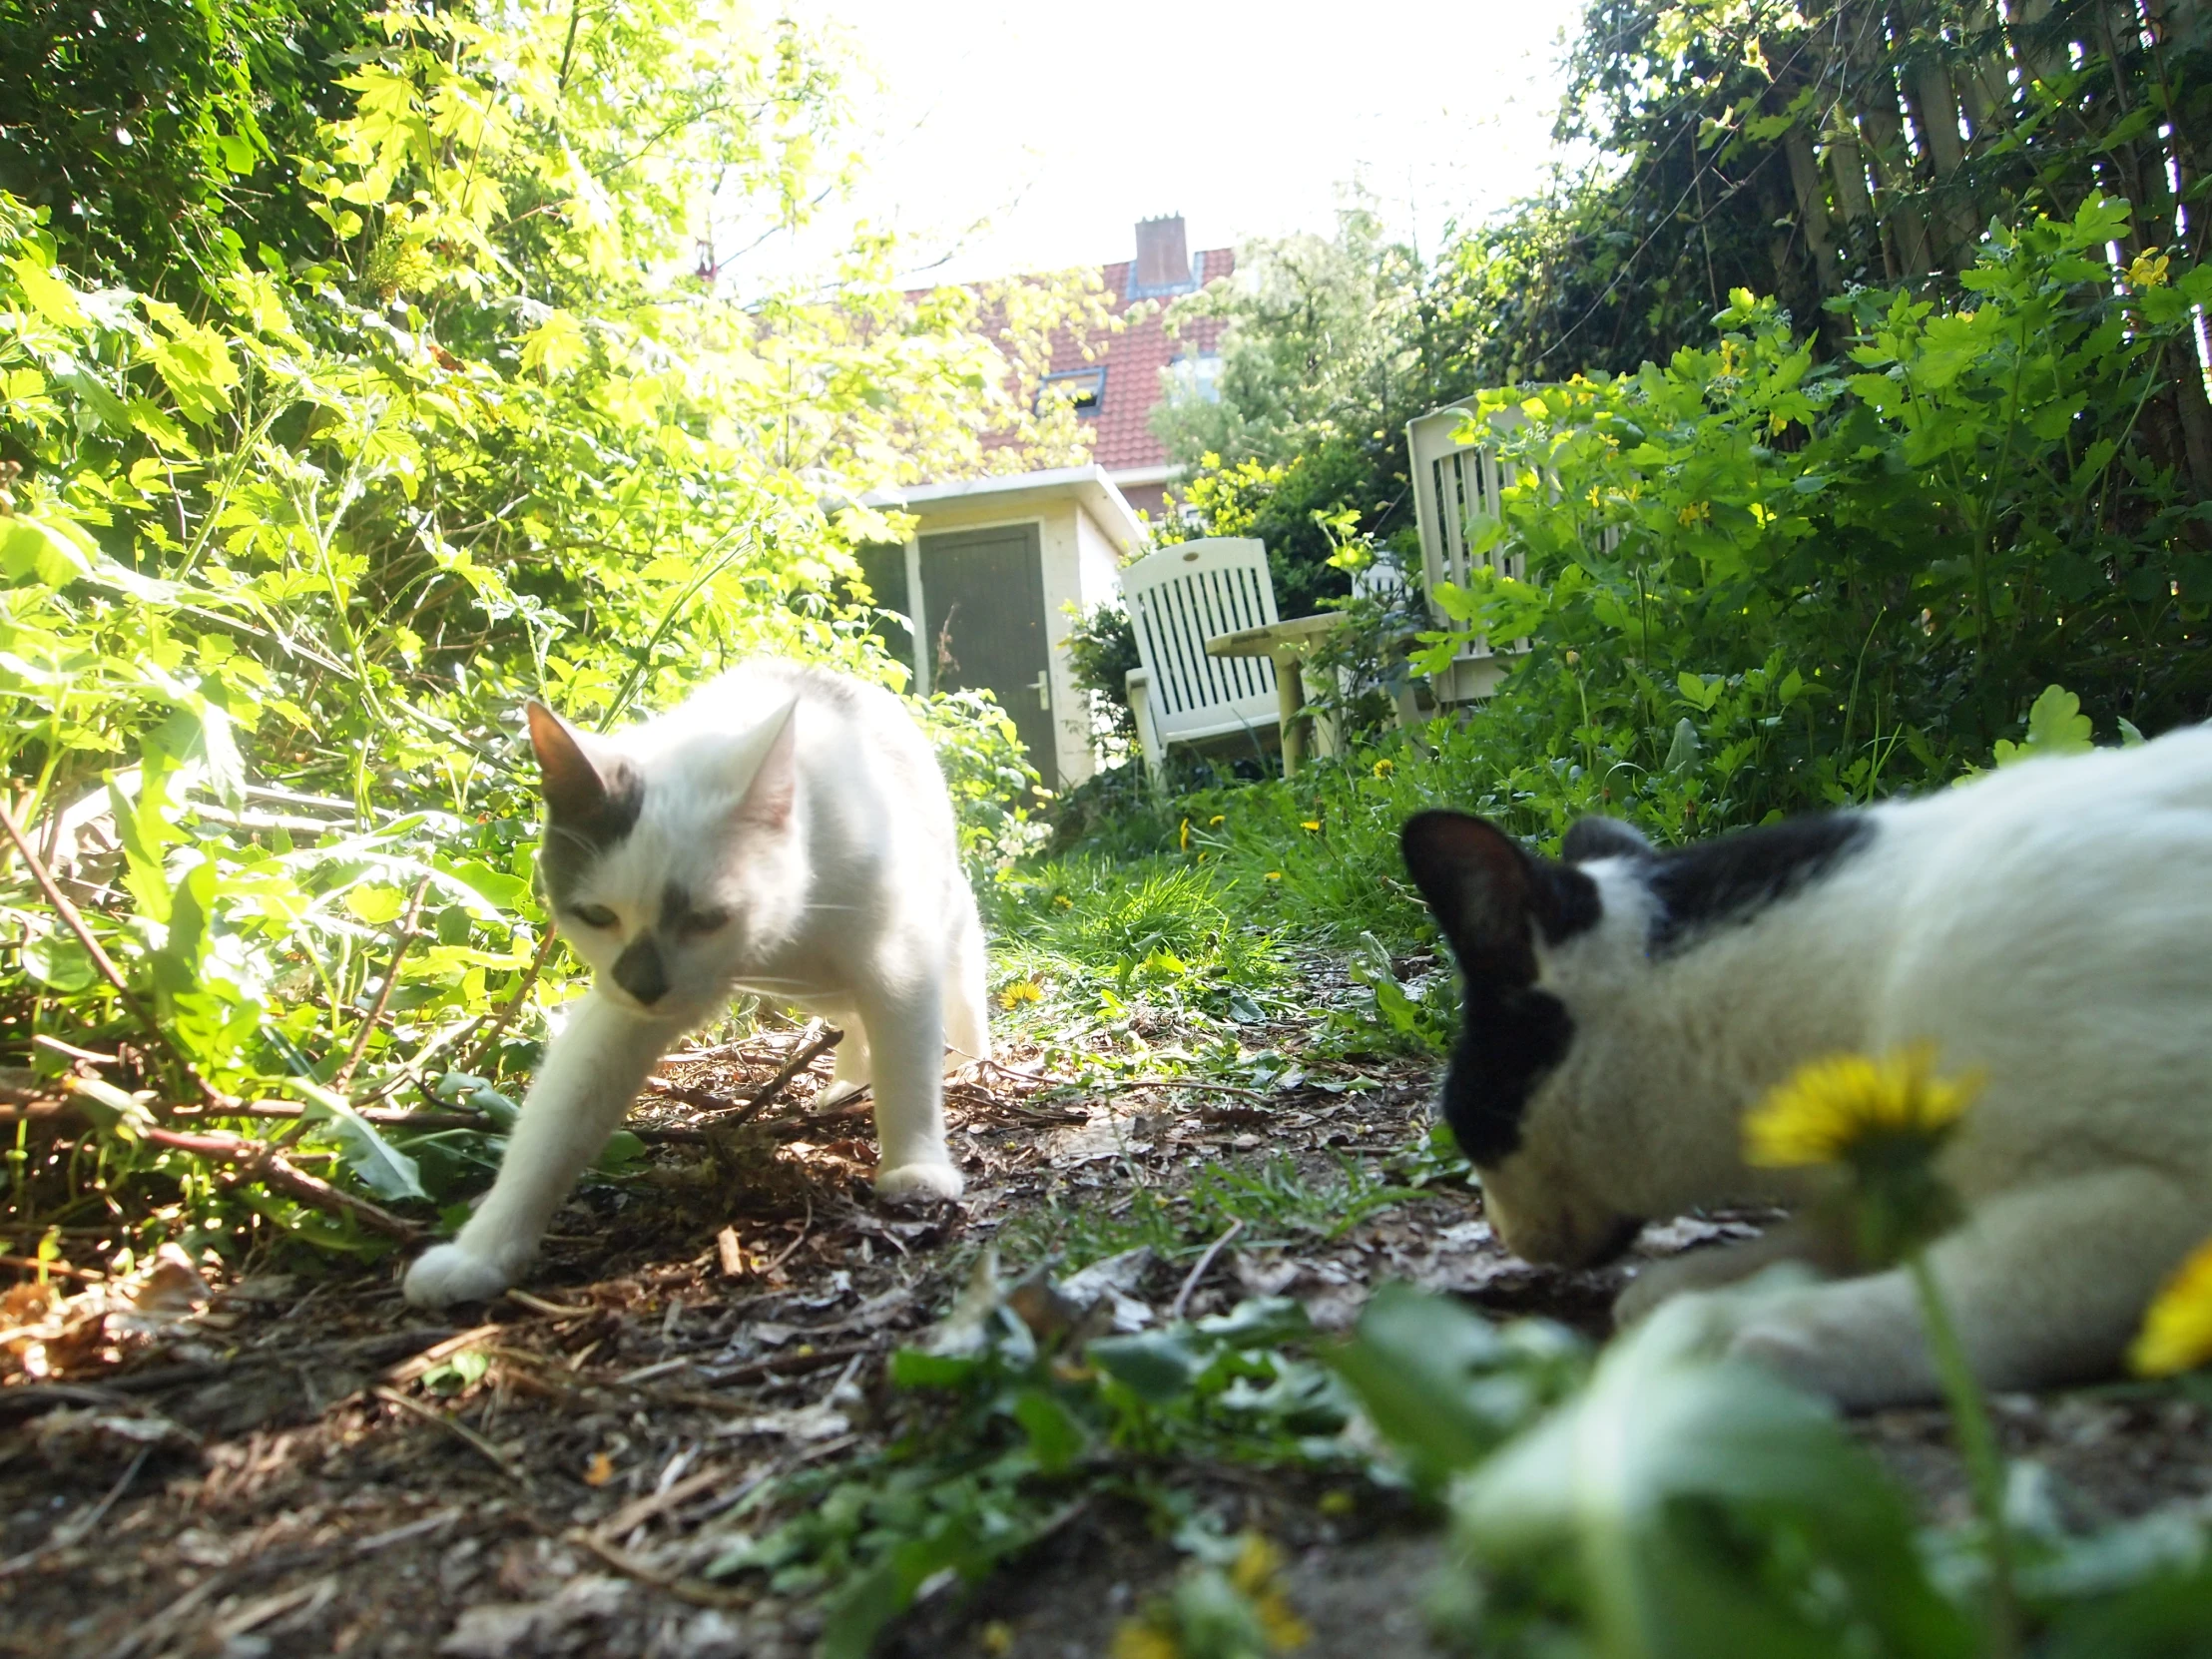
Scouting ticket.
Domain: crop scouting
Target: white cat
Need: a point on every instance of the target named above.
(784, 832)
(2049, 924)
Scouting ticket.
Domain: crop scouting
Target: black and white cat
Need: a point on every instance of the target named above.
(784, 832)
(2049, 924)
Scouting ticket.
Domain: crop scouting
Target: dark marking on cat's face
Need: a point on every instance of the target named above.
(639, 970)
(1493, 901)
(592, 802)
(1734, 876)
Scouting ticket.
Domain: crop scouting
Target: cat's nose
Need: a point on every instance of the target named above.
(638, 970)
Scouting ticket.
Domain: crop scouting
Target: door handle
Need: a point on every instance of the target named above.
(1043, 685)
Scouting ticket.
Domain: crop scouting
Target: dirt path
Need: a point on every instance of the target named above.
(312, 1467)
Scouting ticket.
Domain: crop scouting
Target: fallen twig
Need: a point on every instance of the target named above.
(407, 937)
(260, 1161)
(802, 1057)
(640, 1510)
(459, 1430)
(694, 1590)
(33, 1264)
(76, 1531)
(1182, 1300)
(100, 958)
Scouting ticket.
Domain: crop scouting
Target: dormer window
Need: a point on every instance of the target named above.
(1084, 389)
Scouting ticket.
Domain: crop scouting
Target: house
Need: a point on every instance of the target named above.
(994, 564)
(1128, 373)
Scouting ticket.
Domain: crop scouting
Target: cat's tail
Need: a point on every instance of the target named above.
(967, 1031)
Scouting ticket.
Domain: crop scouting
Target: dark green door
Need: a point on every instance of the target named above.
(982, 597)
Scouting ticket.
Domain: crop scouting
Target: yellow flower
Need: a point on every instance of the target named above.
(1310, 824)
(1256, 1563)
(2146, 271)
(1135, 1639)
(1020, 991)
(2177, 1331)
(1777, 423)
(1697, 512)
(1214, 821)
(1835, 1108)
(1184, 839)
(1063, 901)
(1273, 875)
(997, 1637)
(1383, 767)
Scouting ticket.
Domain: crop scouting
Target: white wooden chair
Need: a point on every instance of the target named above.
(1178, 599)
(1456, 487)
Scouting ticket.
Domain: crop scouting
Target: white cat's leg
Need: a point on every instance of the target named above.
(591, 1072)
(1705, 1269)
(905, 1028)
(967, 1024)
(2044, 1284)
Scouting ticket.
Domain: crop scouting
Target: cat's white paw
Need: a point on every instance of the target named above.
(837, 1093)
(919, 1184)
(446, 1273)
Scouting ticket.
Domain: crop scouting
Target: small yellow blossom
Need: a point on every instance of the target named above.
(1214, 821)
(1310, 824)
(1020, 991)
(1383, 767)
(1254, 1573)
(2148, 271)
(1062, 900)
(1273, 875)
(1183, 840)
(997, 1637)
(1697, 512)
(1574, 659)
(1135, 1639)
(1833, 1108)
(1777, 423)
(2177, 1333)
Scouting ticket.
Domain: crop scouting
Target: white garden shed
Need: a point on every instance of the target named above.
(987, 579)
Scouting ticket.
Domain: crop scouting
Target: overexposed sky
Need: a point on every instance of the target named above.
(1056, 126)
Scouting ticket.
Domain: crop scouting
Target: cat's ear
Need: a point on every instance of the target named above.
(1490, 898)
(1602, 837)
(767, 798)
(576, 789)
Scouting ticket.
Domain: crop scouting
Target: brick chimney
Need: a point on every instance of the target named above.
(1163, 256)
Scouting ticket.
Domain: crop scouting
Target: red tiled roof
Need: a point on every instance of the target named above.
(1132, 361)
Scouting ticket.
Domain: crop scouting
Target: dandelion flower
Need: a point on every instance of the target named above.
(1216, 822)
(1310, 824)
(1273, 875)
(1383, 767)
(1135, 1639)
(1020, 991)
(2177, 1333)
(1837, 1108)
(1183, 840)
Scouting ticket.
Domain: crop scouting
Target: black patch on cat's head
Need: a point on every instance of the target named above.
(592, 800)
(1734, 876)
(1493, 899)
(1590, 839)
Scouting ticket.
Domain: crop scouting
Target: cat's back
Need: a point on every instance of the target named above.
(2056, 919)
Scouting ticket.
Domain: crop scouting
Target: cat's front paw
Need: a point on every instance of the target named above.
(914, 1184)
(446, 1273)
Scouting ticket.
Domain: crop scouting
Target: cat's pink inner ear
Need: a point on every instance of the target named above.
(767, 799)
(572, 783)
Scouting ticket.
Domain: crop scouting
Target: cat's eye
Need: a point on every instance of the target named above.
(699, 923)
(594, 916)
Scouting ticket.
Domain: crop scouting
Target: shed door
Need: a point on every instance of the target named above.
(983, 599)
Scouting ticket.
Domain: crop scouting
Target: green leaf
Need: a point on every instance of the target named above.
(382, 1168)
(58, 962)
(621, 1153)
(1056, 1440)
(50, 297)
(1156, 1366)
(375, 904)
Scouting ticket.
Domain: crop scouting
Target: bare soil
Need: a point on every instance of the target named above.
(288, 1465)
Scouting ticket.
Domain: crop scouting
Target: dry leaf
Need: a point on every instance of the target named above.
(600, 1470)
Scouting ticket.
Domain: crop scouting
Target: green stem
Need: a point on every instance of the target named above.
(1978, 1447)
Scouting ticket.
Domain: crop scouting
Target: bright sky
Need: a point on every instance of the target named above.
(1057, 127)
